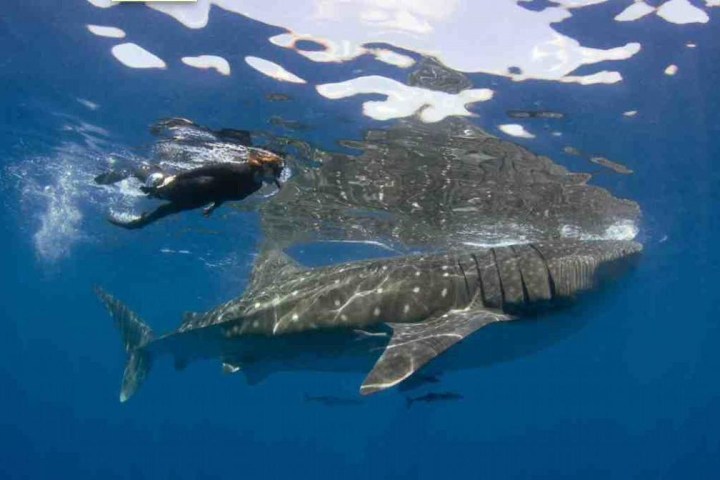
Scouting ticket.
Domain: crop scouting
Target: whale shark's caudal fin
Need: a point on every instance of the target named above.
(135, 336)
(414, 344)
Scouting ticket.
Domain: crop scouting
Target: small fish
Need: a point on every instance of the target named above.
(614, 166)
(332, 401)
(598, 160)
(534, 114)
(364, 334)
(278, 97)
(434, 397)
(429, 378)
(572, 151)
(352, 144)
(278, 121)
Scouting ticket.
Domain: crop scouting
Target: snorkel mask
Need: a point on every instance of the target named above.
(271, 163)
(154, 180)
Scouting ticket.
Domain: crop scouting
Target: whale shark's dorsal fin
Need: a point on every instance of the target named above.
(271, 265)
(414, 344)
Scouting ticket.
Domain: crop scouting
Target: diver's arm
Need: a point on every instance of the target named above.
(147, 218)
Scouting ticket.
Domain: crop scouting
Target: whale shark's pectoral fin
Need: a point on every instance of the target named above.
(414, 344)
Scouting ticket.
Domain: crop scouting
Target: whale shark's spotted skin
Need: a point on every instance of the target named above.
(430, 301)
(411, 289)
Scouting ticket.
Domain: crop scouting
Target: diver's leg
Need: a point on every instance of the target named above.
(148, 218)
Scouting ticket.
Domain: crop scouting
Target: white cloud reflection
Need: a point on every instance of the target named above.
(498, 37)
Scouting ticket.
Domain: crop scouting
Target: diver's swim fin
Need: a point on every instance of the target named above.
(127, 220)
(135, 337)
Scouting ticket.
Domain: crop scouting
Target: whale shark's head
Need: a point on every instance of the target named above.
(576, 266)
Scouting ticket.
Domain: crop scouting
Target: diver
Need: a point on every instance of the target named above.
(205, 187)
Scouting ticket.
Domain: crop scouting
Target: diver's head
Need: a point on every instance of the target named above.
(154, 180)
(270, 165)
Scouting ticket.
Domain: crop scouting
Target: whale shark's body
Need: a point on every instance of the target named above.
(430, 302)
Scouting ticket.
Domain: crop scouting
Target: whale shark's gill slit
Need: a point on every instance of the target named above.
(479, 279)
(500, 280)
(526, 293)
(467, 286)
(551, 282)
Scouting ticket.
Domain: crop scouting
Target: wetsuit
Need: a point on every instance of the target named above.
(208, 186)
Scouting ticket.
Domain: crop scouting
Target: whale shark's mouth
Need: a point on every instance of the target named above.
(621, 230)
(515, 234)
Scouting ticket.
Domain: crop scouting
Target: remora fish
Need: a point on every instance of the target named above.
(433, 397)
(430, 302)
(534, 114)
(332, 401)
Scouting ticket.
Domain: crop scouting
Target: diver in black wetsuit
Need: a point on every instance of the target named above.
(208, 186)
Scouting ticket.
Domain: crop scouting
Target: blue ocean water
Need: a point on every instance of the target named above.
(631, 394)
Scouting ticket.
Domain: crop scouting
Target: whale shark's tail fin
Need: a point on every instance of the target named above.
(135, 336)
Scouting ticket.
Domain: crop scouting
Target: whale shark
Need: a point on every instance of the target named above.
(445, 185)
(410, 308)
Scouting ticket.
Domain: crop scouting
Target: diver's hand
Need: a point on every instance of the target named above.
(166, 182)
(207, 211)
